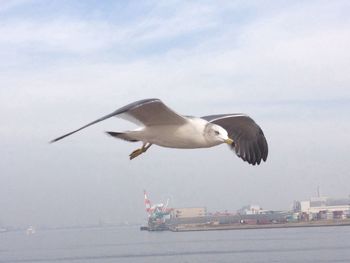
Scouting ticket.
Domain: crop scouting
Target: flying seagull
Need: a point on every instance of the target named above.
(162, 126)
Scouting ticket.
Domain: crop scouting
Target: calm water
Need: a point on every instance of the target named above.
(128, 244)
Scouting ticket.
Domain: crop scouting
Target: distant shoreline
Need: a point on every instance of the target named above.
(206, 227)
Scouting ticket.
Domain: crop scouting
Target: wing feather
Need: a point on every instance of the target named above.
(249, 140)
(148, 112)
(153, 112)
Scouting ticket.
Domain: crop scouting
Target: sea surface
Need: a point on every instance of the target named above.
(129, 244)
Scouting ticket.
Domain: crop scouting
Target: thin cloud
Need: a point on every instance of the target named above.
(77, 35)
(8, 5)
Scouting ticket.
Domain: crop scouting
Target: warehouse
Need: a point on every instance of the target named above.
(325, 208)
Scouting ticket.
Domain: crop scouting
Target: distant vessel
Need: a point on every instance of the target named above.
(30, 230)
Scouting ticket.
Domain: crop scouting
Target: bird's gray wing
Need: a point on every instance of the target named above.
(149, 112)
(249, 141)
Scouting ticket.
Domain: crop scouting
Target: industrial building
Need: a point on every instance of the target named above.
(250, 210)
(324, 208)
(188, 212)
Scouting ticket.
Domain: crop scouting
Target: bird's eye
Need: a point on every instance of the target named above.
(217, 133)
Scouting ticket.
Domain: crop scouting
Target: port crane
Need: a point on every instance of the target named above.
(156, 211)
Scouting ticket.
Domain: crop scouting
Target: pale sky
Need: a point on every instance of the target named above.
(66, 63)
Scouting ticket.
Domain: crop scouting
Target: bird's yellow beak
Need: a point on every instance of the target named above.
(229, 141)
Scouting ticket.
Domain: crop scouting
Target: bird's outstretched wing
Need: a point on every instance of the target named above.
(249, 141)
(149, 112)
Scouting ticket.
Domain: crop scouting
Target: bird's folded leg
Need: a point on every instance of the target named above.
(137, 152)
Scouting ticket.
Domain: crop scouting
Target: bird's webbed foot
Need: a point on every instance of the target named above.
(137, 152)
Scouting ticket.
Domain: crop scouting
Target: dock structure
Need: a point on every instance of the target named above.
(217, 227)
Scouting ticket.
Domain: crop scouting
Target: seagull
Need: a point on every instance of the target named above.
(162, 126)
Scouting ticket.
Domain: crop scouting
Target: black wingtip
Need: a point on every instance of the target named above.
(61, 137)
(54, 140)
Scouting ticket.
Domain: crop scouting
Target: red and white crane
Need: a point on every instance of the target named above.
(156, 208)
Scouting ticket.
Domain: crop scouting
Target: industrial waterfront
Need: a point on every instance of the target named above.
(317, 212)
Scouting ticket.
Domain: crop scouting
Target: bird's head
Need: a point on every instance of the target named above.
(217, 134)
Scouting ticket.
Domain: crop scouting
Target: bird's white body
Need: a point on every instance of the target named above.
(187, 136)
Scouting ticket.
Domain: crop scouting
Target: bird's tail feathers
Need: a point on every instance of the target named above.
(122, 135)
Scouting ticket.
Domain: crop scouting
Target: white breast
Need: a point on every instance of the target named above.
(189, 135)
